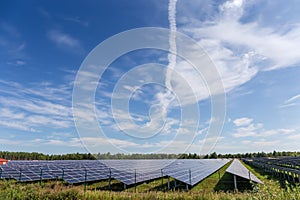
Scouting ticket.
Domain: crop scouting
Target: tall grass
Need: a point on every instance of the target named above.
(57, 191)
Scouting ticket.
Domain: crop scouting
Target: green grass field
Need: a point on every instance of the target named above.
(217, 186)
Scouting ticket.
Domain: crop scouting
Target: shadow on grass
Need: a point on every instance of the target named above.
(174, 186)
(226, 184)
(118, 186)
(163, 187)
(269, 176)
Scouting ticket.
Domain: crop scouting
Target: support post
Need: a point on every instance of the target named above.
(134, 180)
(41, 176)
(0, 172)
(109, 179)
(168, 182)
(219, 174)
(162, 178)
(124, 186)
(187, 187)
(190, 176)
(63, 174)
(175, 184)
(234, 181)
(20, 175)
(249, 175)
(85, 176)
(299, 177)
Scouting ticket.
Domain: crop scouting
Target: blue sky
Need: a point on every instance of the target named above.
(253, 44)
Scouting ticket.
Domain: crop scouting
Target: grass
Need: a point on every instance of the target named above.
(210, 184)
(218, 186)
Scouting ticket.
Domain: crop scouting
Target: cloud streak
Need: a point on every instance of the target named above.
(31, 109)
(172, 42)
(65, 41)
(291, 101)
(244, 121)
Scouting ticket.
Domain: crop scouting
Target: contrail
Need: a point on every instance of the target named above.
(172, 42)
(166, 98)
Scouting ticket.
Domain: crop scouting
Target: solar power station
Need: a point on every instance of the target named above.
(129, 172)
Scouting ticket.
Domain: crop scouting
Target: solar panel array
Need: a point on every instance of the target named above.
(126, 171)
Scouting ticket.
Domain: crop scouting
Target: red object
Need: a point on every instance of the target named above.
(3, 161)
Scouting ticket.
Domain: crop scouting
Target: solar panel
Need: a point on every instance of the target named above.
(136, 171)
(8, 172)
(237, 168)
(193, 171)
(28, 175)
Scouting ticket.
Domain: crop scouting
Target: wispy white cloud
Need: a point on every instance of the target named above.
(73, 142)
(294, 137)
(65, 41)
(293, 101)
(36, 106)
(13, 45)
(271, 50)
(19, 125)
(10, 29)
(16, 62)
(232, 9)
(93, 144)
(245, 127)
(57, 143)
(19, 47)
(265, 143)
(4, 142)
(43, 12)
(239, 49)
(77, 20)
(20, 62)
(294, 98)
(242, 121)
(32, 108)
(7, 113)
(60, 135)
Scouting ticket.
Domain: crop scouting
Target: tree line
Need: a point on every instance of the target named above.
(40, 156)
(135, 156)
(88, 156)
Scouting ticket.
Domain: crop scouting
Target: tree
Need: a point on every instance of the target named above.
(213, 155)
(275, 154)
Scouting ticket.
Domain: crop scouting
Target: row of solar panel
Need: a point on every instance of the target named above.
(273, 166)
(293, 162)
(127, 171)
(69, 175)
